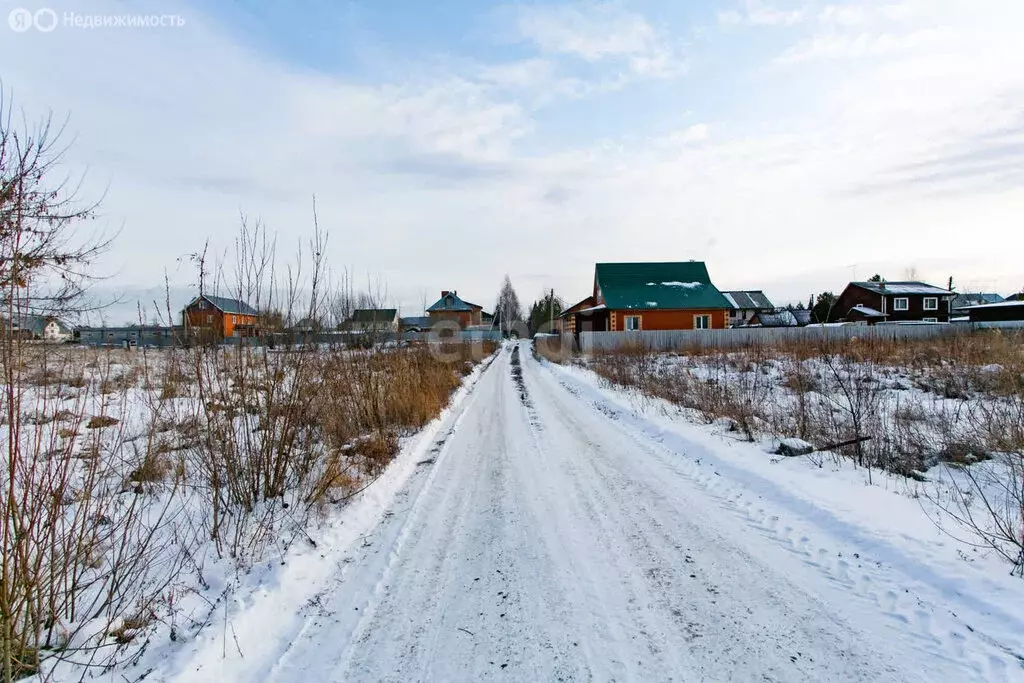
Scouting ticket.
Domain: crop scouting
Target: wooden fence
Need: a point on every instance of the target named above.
(668, 340)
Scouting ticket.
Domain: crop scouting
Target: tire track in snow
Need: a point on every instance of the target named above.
(360, 633)
(695, 589)
(392, 540)
(879, 584)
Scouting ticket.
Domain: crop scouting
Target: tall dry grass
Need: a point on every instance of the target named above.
(124, 464)
(900, 406)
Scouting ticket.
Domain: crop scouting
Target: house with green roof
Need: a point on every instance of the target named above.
(673, 295)
(452, 308)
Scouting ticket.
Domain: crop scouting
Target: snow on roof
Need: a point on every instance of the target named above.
(676, 283)
(867, 310)
(748, 298)
(599, 307)
(902, 288)
(1001, 304)
(781, 319)
(974, 299)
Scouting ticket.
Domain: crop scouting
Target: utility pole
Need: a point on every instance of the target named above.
(551, 310)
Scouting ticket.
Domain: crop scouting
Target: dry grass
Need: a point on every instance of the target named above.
(130, 627)
(276, 424)
(834, 393)
(557, 349)
(153, 469)
(101, 421)
(252, 441)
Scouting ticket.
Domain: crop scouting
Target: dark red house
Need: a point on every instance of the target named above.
(875, 302)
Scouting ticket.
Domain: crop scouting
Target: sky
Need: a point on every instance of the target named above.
(793, 145)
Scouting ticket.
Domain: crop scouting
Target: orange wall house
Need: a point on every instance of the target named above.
(651, 296)
(221, 317)
(683, 319)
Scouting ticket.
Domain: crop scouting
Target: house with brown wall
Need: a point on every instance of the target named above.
(875, 302)
(220, 317)
(652, 296)
(454, 309)
(567, 318)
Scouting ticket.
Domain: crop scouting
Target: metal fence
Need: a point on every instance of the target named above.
(668, 340)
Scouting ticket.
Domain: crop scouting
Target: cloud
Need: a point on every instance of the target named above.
(991, 161)
(698, 132)
(444, 168)
(599, 32)
(759, 13)
(846, 46)
(790, 13)
(407, 166)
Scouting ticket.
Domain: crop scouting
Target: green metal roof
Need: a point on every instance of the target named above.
(451, 302)
(669, 285)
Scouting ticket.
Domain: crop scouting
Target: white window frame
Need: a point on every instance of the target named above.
(698, 318)
(929, 320)
(935, 303)
(639, 323)
(234, 320)
(896, 304)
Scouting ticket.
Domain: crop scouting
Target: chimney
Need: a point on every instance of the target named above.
(444, 293)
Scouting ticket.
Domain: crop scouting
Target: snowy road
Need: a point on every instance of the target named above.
(547, 537)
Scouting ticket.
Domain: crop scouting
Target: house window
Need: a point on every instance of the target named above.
(209, 319)
(234, 320)
(632, 322)
(702, 322)
(202, 305)
(930, 320)
(931, 303)
(901, 303)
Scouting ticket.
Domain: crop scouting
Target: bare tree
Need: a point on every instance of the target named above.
(44, 251)
(508, 309)
(45, 257)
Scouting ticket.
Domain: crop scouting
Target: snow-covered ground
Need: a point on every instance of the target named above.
(549, 528)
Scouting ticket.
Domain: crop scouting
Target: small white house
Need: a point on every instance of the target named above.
(56, 331)
(42, 327)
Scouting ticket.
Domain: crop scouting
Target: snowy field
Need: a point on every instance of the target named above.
(146, 490)
(549, 528)
(546, 525)
(947, 415)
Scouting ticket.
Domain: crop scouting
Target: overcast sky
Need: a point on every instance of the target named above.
(793, 145)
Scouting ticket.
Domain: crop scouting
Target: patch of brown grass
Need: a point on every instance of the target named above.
(152, 470)
(101, 421)
(130, 627)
